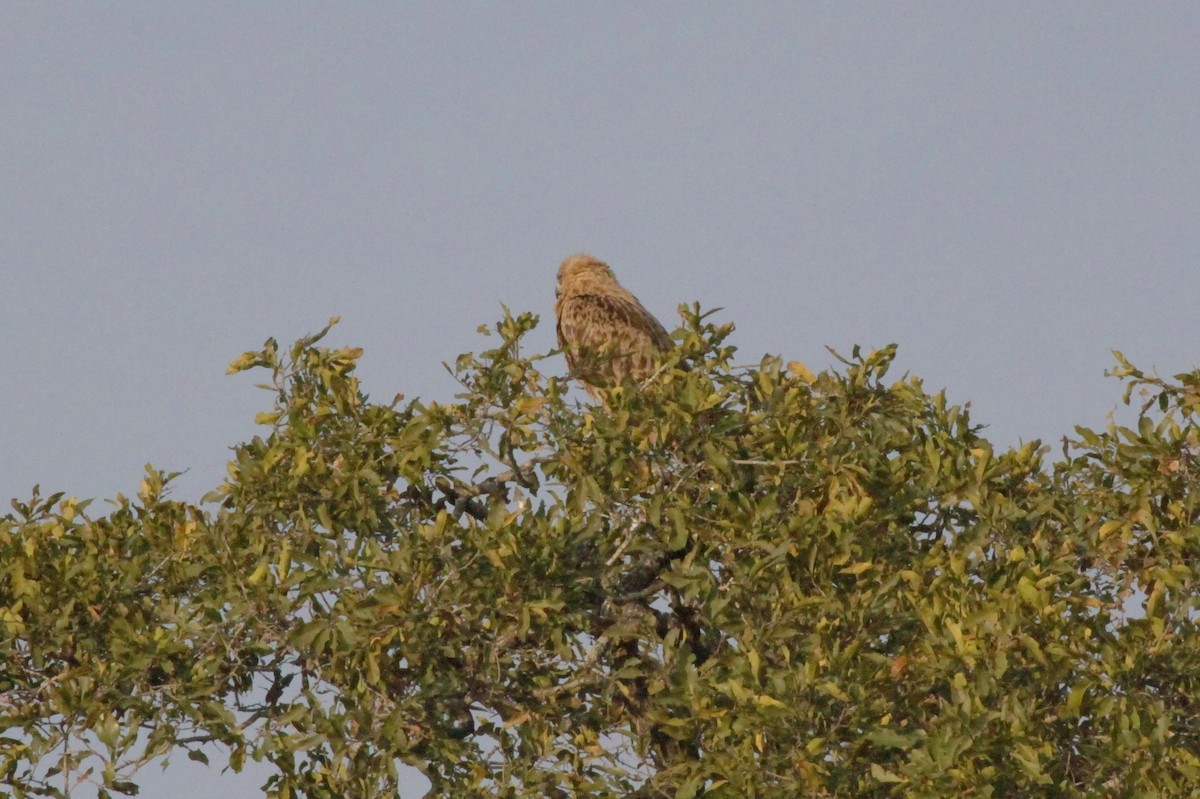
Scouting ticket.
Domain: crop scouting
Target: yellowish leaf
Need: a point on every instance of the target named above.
(800, 372)
(883, 775)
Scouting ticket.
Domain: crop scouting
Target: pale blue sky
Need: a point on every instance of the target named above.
(1007, 190)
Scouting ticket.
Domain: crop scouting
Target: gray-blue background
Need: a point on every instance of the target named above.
(1008, 190)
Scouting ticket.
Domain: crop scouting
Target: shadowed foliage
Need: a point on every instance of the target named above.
(734, 582)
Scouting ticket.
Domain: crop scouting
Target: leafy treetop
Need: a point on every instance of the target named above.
(728, 582)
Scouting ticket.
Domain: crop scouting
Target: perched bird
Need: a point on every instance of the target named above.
(606, 334)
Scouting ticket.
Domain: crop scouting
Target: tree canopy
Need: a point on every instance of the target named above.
(732, 581)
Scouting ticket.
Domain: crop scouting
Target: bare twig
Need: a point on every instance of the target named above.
(655, 375)
(633, 528)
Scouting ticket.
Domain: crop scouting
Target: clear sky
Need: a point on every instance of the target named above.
(1009, 191)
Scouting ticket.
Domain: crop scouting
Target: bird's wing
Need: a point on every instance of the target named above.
(591, 320)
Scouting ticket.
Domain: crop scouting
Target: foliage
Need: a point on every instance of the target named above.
(729, 582)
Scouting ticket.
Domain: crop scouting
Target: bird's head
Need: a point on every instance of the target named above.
(581, 273)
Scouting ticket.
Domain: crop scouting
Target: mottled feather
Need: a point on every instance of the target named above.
(606, 334)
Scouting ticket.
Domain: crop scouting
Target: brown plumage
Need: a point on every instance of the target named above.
(606, 334)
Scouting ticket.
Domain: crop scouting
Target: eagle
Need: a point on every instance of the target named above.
(607, 336)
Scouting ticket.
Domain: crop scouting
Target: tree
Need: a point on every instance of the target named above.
(729, 582)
